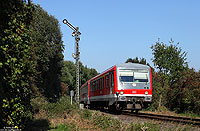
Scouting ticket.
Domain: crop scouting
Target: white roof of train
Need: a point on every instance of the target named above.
(132, 66)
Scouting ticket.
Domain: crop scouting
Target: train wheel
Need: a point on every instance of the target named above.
(117, 109)
(110, 109)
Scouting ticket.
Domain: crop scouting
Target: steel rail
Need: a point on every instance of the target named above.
(187, 120)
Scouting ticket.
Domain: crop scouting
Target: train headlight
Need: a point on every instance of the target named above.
(121, 92)
(146, 93)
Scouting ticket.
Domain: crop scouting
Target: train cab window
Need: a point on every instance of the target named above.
(107, 81)
(133, 75)
(140, 76)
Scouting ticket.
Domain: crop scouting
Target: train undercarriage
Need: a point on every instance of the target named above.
(117, 105)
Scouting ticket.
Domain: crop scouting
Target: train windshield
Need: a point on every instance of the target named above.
(138, 75)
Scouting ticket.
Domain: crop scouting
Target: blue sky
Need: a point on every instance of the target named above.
(115, 30)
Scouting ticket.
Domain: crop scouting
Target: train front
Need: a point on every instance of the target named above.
(134, 86)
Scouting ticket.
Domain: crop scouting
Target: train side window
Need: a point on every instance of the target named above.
(112, 79)
(97, 84)
(90, 87)
(103, 82)
(100, 83)
(107, 81)
(93, 86)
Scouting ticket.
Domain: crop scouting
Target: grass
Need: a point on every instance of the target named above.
(62, 116)
(189, 114)
(143, 127)
(166, 111)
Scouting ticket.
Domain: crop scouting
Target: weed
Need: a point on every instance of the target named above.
(190, 114)
(143, 127)
(52, 109)
(62, 127)
(102, 121)
(86, 114)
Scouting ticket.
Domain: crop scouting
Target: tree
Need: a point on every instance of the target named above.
(16, 62)
(136, 60)
(170, 62)
(69, 74)
(186, 98)
(48, 48)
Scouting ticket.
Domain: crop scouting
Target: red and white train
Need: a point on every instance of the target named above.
(125, 86)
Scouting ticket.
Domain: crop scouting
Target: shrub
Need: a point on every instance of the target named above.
(86, 114)
(52, 109)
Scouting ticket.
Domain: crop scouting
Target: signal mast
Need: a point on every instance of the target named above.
(75, 34)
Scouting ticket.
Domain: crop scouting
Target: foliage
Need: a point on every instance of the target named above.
(63, 127)
(16, 62)
(186, 98)
(86, 73)
(69, 74)
(170, 62)
(86, 114)
(105, 122)
(48, 48)
(174, 85)
(30, 59)
(136, 60)
(52, 109)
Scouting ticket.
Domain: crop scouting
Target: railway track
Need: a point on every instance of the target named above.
(179, 119)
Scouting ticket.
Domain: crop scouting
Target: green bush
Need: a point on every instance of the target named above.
(105, 122)
(86, 114)
(53, 109)
(102, 121)
(16, 62)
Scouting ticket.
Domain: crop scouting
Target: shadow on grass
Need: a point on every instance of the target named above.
(38, 125)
